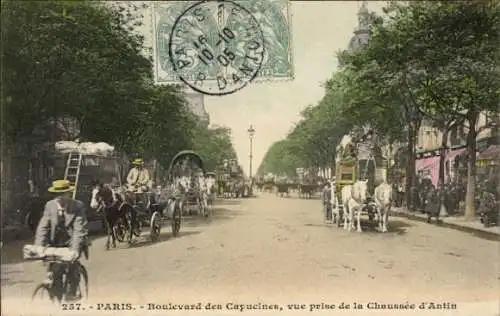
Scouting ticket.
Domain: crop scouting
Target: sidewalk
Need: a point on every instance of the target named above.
(455, 222)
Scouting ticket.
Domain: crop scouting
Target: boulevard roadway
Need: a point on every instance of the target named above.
(275, 250)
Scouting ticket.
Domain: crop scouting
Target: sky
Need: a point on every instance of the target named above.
(319, 30)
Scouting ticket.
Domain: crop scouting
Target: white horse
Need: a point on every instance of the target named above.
(335, 204)
(203, 197)
(210, 193)
(383, 200)
(180, 187)
(338, 206)
(345, 196)
(354, 203)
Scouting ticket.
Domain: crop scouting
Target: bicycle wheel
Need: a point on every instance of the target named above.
(43, 292)
(84, 282)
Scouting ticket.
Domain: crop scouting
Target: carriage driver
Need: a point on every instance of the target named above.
(138, 179)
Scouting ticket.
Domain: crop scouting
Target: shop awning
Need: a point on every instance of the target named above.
(490, 153)
(430, 165)
(426, 163)
(454, 153)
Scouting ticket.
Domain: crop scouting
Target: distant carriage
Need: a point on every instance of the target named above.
(283, 186)
(222, 180)
(248, 188)
(307, 188)
(186, 172)
(231, 182)
(80, 168)
(79, 163)
(268, 185)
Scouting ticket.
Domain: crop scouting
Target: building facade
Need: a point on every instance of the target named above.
(429, 140)
(196, 103)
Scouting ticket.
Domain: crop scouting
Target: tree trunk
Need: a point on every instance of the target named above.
(470, 205)
(388, 166)
(442, 159)
(408, 184)
(410, 168)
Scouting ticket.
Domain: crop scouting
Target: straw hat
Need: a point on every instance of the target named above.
(138, 161)
(61, 186)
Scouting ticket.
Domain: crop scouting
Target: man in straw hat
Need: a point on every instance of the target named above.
(138, 178)
(64, 224)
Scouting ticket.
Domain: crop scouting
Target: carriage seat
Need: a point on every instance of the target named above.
(138, 189)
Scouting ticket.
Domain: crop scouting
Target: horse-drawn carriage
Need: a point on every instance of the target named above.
(128, 209)
(187, 175)
(283, 186)
(149, 213)
(79, 163)
(230, 181)
(307, 187)
(222, 179)
(355, 178)
(247, 188)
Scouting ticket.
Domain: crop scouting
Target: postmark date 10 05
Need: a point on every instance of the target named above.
(207, 56)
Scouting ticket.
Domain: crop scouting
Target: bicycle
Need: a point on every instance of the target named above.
(58, 271)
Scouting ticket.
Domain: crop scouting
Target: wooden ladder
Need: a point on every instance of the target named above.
(72, 172)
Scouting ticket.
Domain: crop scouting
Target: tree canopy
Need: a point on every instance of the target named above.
(436, 61)
(86, 60)
(214, 145)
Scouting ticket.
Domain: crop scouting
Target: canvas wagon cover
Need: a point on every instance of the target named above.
(187, 153)
(86, 148)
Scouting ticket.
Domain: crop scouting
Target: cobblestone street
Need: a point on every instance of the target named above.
(278, 251)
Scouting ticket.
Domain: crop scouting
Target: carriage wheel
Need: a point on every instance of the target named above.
(176, 221)
(155, 227)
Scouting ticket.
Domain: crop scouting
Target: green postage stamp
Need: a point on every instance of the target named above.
(255, 36)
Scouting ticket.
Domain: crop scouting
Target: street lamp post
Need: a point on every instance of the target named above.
(251, 133)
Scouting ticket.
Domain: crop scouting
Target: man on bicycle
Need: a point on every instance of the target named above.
(64, 224)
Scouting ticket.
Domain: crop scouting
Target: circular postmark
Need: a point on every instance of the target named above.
(216, 47)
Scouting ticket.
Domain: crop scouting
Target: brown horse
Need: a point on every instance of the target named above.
(119, 216)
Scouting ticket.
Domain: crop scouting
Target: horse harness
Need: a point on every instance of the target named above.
(108, 198)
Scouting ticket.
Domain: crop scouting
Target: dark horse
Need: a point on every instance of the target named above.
(119, 216)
